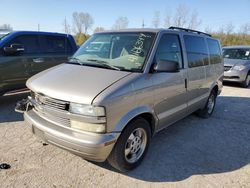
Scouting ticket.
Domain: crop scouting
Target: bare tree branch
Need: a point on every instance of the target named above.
(181, 16)
(121, 23)
(194, 22)
(156, 19)
(245, 29)
(6, 27)
(98, 29)
(168, 21)
(229, 28)
(82, 22)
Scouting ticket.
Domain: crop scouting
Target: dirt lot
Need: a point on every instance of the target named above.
(194, 152)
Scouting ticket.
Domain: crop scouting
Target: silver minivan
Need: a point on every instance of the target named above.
(107, 104)
(237, 64)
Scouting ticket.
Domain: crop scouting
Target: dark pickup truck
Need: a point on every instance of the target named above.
(25, 53)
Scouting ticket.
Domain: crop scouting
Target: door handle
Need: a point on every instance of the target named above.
(38, 60)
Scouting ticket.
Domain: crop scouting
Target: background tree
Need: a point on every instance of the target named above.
(245, 29)
(156, 19)
(98, 29)
(229, 28)
(194, 21)
(82, 22)
(181, 14)
(183, 17)
(6, 27)
(80, 38)
(168, 21)
(121, 23)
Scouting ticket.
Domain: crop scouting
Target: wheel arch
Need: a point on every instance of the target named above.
(143, 112)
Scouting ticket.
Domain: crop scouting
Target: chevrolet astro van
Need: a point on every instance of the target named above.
(106, 104)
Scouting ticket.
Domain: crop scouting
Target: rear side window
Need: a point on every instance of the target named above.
(169, 49)
(197, 53)
(54, 44)
(30, 43)
(214, 51)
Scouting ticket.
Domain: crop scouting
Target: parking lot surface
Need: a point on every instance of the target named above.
(193, 152)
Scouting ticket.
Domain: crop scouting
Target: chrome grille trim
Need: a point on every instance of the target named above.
(50, 102)
(46, 105)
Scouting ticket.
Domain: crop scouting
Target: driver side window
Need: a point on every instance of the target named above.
(29, 42)
(169, 49)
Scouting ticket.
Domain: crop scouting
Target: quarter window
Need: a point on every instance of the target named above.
(197, 54)
(169, 49)
(214, 51)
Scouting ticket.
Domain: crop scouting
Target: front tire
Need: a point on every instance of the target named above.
(207, 111)
(132, 146)
(246, 83)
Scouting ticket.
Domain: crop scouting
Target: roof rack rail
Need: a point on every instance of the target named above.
(189, 30)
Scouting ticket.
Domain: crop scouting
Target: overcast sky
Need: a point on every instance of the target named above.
(27, 14)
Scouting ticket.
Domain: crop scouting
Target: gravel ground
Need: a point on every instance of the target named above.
(194, 152)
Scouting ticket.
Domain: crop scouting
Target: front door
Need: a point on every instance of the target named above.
(15, 69)
(54, 50)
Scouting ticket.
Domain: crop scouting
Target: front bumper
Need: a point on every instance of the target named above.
(91, 146)
(235, 76)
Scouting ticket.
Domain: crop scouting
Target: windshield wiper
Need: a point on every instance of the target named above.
(75, 60)
(104, 64)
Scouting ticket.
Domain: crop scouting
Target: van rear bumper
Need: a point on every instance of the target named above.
(91, 146)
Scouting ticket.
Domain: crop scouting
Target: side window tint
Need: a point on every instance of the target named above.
(30, 43)
(169, 49)
(214, 51)
(54, 44)
(197, 54)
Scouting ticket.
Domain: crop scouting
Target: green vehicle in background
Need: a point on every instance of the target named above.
(25, 53)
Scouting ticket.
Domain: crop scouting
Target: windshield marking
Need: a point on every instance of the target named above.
(138, 47)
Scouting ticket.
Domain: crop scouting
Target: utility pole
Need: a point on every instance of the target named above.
(143, 25)
(38, 27)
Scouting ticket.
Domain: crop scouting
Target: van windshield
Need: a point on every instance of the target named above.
(242, 53)
(119, 50)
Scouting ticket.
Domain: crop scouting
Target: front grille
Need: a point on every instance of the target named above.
(227, 68)
(51, 103)
(46, 108)
(231, 77)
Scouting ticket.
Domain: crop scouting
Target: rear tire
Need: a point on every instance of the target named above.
(131, 146)
(246, 83)
(207, 111)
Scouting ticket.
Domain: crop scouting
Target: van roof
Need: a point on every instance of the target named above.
(157, 30)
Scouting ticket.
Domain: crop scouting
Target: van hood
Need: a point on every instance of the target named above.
(232, 62)
(74, 83)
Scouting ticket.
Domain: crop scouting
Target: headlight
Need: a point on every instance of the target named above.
(87, 110)
(239, 67)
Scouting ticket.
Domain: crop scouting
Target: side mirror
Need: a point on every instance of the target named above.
(166, 66)
(14, 49)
